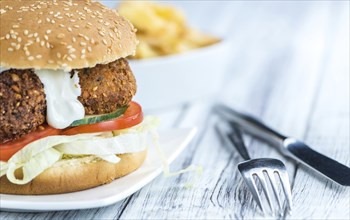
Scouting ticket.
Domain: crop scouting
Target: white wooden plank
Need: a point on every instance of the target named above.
(328, 132)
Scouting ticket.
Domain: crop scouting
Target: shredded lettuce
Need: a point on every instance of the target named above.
(3, 168)
(166, 168)
(34, 166)
(39, 155)
(42, 154)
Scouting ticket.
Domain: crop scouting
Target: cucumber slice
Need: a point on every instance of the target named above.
(99, 118)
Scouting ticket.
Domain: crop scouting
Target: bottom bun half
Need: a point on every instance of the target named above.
(73, 175)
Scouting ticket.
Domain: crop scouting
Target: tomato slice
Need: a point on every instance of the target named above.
(132, 116)
(9, 148)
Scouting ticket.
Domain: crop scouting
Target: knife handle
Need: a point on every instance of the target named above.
(251, 125)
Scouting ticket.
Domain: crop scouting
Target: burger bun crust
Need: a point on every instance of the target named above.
(48, 34)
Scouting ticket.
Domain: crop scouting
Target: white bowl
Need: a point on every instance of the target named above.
(176, 79)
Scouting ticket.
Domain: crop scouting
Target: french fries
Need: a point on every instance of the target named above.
(162, 29)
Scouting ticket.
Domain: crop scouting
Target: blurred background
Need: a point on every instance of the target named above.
(261, 42)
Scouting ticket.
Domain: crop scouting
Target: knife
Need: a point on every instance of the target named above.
(289, 146)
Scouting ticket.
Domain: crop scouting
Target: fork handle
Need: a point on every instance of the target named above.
(251, 125)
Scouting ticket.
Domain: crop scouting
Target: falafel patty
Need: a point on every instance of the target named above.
(22, 103)
(104, 88)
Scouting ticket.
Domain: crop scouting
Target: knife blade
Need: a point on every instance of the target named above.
(289, 146)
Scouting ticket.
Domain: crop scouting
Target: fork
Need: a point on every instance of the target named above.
(264, 169)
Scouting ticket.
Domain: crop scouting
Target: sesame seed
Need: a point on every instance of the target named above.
(42, 43)
(10, 49)
(60, 36)
(31, 58)
(7, 36)
(70, 29)
(101, 33)
(89, 49)
(82, 43)
(59, 55)
(39, 21)
(48, 31)
(46, 37)
(104, 42)
(39, 56)
(18, 47)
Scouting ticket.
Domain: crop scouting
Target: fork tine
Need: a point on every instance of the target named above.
(249, 179)
(286, 188)
(273, 182)
(266, 191)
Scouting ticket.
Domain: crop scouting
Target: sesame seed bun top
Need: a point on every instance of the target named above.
(57, 34)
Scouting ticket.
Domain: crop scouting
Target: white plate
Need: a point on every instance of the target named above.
(173, 142)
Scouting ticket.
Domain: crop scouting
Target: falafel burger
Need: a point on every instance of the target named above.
(67, 122)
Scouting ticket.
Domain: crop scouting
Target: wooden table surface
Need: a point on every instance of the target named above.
(289, 66)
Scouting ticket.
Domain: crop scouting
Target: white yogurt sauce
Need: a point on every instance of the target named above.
(62, 91)
(2, 69)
